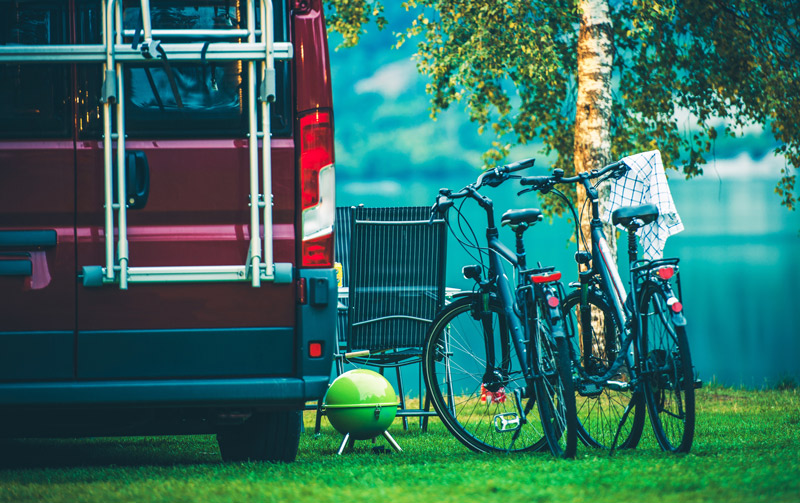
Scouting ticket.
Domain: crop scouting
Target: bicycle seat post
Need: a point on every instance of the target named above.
(633, 252)
(519, 231)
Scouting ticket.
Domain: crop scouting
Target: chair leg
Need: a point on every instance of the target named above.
(427, 408)
(402, 397)
(318, 419)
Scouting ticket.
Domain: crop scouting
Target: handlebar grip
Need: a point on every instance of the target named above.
(518, 166)
(534, 180)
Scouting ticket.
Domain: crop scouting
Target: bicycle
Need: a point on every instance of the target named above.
(626, 349)
(498, 350)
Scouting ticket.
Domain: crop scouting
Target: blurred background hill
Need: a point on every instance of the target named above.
(740, 251)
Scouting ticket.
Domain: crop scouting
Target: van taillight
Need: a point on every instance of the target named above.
(317, 189)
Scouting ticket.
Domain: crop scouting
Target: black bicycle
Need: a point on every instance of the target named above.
(627, 350)
(498, 351)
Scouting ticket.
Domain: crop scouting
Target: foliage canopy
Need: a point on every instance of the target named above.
(679, 67)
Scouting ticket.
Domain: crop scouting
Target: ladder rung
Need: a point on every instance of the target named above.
(52, 53)
(190, 274)
(205, 34)
(220, 51)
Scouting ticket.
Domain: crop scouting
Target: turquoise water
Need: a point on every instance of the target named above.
(739, 264)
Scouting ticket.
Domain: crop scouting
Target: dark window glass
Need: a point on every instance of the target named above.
(34, 98)
(188, 99)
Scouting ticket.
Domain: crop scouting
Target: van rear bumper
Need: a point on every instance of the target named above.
(273, 392)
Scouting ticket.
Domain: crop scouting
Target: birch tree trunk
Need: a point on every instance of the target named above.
(593, 109)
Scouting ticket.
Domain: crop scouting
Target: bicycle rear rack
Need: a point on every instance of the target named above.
(260, 48)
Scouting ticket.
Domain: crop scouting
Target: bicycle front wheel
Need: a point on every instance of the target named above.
(668, 373)
(475, 379)
(595, 337)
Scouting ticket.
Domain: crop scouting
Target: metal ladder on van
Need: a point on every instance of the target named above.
(260, 50)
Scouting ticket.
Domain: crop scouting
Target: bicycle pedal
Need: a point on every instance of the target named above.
(590, 390)
(507, 422)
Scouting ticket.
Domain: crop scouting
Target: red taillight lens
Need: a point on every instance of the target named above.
(318, 252)
(553, 301)
(316, 153)
(676, 307)
(317, 188)
(665, 273)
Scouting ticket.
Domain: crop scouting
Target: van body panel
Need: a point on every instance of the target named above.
(23, 359)
(312, 67)
(132, 354)
(37, 180)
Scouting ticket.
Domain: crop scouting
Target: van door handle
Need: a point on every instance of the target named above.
(137, 179)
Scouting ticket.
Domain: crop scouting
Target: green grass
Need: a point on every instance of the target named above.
(747, 448)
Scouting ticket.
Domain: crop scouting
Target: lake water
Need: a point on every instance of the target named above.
(739, 262)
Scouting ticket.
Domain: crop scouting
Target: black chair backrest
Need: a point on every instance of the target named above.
(396, 276)
(341, 253)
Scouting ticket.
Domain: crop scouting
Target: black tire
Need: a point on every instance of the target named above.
(600, 408)
(555, 392)
(668, 373)
(454, 367)
(266, 436)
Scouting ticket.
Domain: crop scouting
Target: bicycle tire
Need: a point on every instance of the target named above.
(600, 408)
(454, 363)
(554, 387)
(668, 373)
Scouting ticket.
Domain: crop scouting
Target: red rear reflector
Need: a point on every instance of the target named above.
(318, 252)
(553, 301)
(546, 278)
(314, 349)
(666, 272)
(677, 307)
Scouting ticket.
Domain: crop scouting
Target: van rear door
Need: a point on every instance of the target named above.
(187, 138)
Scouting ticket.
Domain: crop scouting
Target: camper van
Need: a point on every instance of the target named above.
(166, 219)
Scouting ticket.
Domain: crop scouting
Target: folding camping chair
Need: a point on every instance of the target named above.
(393, 284)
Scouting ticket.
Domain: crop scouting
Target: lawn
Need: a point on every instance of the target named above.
(747, 448)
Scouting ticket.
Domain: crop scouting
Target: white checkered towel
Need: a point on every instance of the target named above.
(646, 183)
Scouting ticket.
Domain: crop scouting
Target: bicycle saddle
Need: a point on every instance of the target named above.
(625, 216)
(515, 217)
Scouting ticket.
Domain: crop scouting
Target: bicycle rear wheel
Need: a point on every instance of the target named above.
(595, 342)
(668, 373)
(475, 380)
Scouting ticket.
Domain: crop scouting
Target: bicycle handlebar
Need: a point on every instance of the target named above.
(547, 182)
(492, 177)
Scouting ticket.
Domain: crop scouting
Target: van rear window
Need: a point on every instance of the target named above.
(187, 99)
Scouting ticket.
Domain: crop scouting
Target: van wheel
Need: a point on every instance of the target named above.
(266, 436)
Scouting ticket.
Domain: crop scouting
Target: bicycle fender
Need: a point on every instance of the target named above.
(558, 331)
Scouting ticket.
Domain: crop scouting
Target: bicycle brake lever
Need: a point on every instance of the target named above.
(530, 189)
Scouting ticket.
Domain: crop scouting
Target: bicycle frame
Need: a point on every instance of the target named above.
(611, 282)
(520, 328)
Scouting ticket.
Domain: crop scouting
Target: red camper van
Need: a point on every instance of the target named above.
(166, 219)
